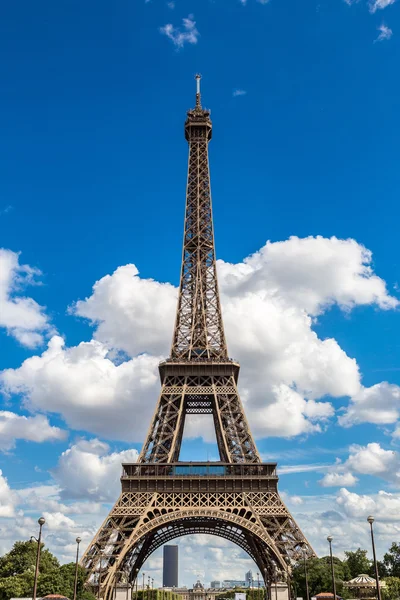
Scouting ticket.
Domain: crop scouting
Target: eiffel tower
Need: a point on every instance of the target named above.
(163, 498)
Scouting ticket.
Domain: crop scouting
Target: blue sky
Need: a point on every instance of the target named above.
(304, 100)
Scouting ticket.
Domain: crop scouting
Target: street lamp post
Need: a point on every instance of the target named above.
(99, 579)
(258, 586)
(378, 587)
(41, 522)
(143, 575)
(306, 575)
(127, 585)
(330, 538)
(289, 584)
(78, 541)
(136, 585)
(265, 583)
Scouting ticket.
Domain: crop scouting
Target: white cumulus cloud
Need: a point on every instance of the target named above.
(378, 404)
(33, 429)
(88, 470)
(57, 521)
(21, 316)
(88, 389)
(372, 459)
(289, 414)
(7, 501)
(313, 273)
(334, 479)
(179, 36)
(355, 505)
(385, 33)
(384, 505)
(46, 498)
(130, 313)
(375, 5)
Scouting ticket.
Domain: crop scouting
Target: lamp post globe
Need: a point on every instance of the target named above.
(41, 521)
(78, 540)
(330, 539)
(370, 519)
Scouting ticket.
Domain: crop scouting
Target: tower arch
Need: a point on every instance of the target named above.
(240, 529)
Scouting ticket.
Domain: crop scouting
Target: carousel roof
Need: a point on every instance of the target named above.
(54, 597)
(366, 579)
(362, 581)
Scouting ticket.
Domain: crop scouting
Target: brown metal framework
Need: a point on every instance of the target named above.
(161, 497)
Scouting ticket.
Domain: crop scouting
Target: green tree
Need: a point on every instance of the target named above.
(17, 569)
(382, 569)
(68, 578)
(357, 562)
(17, 572)
(17, 586)
(391, 591)
(51, 583)
(156, 595)
(22, 558)
(391, 560)
(320, 576)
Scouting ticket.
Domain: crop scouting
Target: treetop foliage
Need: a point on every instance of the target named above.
(356, 563)
(17, 572)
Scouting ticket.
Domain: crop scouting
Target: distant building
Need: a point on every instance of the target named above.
(198, 592)
(170, 566)
(232, 583)
(249, 579)
(183, 592)
(215, 584)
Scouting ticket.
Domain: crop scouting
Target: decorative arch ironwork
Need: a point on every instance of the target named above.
(245, 530)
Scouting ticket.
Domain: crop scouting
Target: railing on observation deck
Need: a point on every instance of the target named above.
(198, 359)
(195, 469)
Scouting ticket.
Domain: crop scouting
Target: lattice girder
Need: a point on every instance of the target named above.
(199, 331)
(199, 394)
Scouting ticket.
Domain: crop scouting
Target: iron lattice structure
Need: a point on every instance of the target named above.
(162, 498)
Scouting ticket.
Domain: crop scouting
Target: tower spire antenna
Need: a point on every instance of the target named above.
(198, 95)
